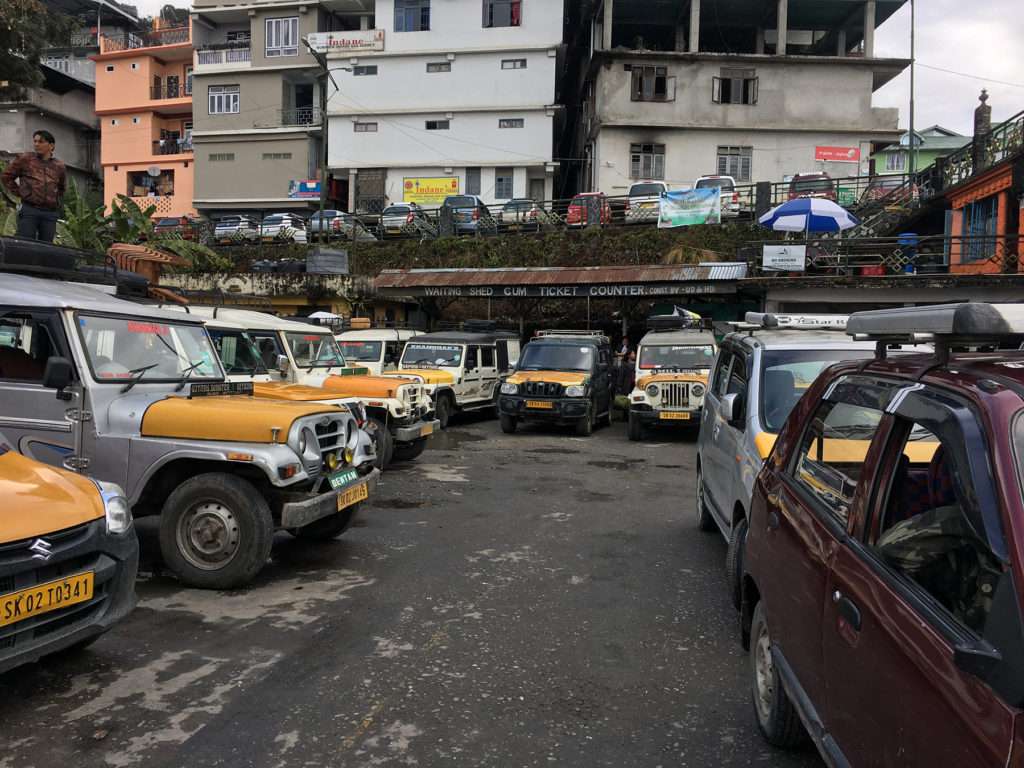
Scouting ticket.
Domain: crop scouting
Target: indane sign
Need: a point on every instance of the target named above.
(563, 291)
(348, 41)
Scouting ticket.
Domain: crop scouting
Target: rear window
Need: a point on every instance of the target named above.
(327, 215)
(231, 221)
(517, 205)
(894, 183)
(811, 184)
(708, 183)
(169, 222)
(461, 201)
(396, 209)
(270, 220)
(646, 189)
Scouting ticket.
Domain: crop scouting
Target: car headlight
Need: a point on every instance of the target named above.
(302, 441)
(115, 507)
(697, 390)
(576, 390)
(652, 390)
(508, 388)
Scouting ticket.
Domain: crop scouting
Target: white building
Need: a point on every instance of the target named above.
(441, 97)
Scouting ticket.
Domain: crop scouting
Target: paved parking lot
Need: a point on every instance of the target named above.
(505, 600)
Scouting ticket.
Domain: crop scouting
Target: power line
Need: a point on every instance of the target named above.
(973, 77)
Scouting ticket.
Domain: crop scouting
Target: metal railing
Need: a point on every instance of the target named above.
(240, 55)
(301, 116)
(171, 146)
(1004, 141)
(170, 91)
(126, 41)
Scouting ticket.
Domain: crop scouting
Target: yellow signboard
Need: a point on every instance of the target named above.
(430, 190)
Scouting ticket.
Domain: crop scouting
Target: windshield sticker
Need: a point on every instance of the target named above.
(584, 350)
(437, 347)
(147, 328)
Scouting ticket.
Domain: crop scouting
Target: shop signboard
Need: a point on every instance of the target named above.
(837, 154)
(347, 41)
(429, 190)
(304, 188)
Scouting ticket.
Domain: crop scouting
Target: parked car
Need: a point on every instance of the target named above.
(730, 197)
(281, 227)
(882, 600)
(338, 225)
(470, 215)
(520, 214)
(185, 227)
(895, 188)
(405, 219)
(812, 185)
(584, 207)
(236, 229)
(643, 201)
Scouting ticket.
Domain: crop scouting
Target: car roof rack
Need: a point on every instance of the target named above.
(963, 324)
(470, 326)
(573, 332)
(767, 320)
(41, 258)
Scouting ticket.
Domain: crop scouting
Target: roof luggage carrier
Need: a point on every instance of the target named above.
(766, 320)
(39, 258)
(678, 323)
(470, 326)
(573, 332)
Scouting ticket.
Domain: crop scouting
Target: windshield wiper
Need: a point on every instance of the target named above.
(135, 379)
(187, 372)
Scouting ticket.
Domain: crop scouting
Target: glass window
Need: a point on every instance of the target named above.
(237, 351)
(510, 122)
(674, 356)
(364, 127)
(119, 348)
(362, 351)
(647, 161)
(431, 355)
(649, 83)
(502, 13)
(981, 225)
(735, 86)
(282, 37)
(721, 373)
(486, 357)
(438, 125)
(439, 66)
(503, 183)
(314, 350)
(25, 346)
(472, 181)
(223, 99)
(513, 63)
(364, 69)
(538, 356)
(735, 162)
(412, 15)
(786, 375)
(896, 161)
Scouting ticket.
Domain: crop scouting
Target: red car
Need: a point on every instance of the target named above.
(182, 226)
(880, 598)
(586, 207)
(892, 189)
(812, 185)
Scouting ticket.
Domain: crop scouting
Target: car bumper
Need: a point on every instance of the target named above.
(303, 511)
(113, 561)
(410, 432)
(557, 410)
(681, 417)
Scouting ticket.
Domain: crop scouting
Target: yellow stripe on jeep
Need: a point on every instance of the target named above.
(282, 390)
(366, 386)
(696, 378)
(556, 377)
(36, 499)
(430, 376)
(231, 419)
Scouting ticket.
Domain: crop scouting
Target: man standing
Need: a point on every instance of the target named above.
(41, 183)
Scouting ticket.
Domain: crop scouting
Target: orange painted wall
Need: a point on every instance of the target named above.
(996, 182)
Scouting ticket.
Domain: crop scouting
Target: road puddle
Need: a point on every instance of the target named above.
(398, 503)
(449, 439)
(565, 451)
(621, 464)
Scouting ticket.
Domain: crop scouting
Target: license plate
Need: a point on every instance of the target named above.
(50, 596)
(515, 226)
(427, 430)
(392, 230)
(268, 239)
(646, 205)
(342, 478)
(352, 495)
(538, 404)
(672, 415)
(224, 240)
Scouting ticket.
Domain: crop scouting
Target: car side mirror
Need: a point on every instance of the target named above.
(57, 375)
(730, 408)
(282, 363)
(998, 657)
(512, 363)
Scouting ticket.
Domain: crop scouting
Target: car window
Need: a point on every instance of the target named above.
(486, 357)
(721, 373)
(655, 356)
(363, 351)
(538, 356)
(396, 209)
(646, 189)
(811, 184)
(237, 351)
(431, 355)
(831, 456)
(461, 201)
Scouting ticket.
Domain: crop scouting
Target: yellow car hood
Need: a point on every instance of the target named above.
(429, 375)
(365, 385)
(566, 378)
(643, 381)
(232, 419)
(282, 390)
(36, 499)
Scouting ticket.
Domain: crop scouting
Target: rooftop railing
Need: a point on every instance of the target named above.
(126, 41)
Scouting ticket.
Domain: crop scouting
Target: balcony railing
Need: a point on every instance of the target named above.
(84, 40)
(171, 146)
(170, 91)
(223, 56)
(301, 116)
(1006, 140)
(127, 41)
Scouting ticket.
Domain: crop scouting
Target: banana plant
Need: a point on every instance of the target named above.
(84, 225)
(131, 223)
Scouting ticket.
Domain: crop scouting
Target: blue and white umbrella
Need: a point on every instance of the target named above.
(808, 214)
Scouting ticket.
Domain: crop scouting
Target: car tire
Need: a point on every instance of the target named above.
(635, 427)
(233, 517)
(606, 418)
(705, 521)
(443, 410)
(777, 718)
(327, 528)
(736, 561)
(409, 451)
(508, 423)
(385, 444)
(585, 423)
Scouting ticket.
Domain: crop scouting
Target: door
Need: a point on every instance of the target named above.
(892, 620)
(605, 380)
(471, 378)
(173, 87)
(710, 440)
(537, 190)
(489, 376)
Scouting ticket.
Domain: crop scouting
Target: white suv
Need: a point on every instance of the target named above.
(729, 196)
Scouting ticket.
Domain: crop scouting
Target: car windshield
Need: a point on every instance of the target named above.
(786, 375)
(556, 357)
(812, 184)
(327, 215)
(363, 351)
(461, 201)
(895, 183)
(272, 221)
(168, 222)
(431, 355)
(118, 346)
(229, 221)
(238, 352)
(312, 349)
(646, 189)
(660, 356)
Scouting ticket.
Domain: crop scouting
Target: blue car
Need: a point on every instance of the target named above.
(470, 215)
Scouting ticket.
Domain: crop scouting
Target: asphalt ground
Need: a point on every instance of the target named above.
(504, 600)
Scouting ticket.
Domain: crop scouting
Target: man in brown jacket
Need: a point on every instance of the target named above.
(41, 183)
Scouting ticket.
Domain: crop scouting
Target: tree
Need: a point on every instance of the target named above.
(26, 31)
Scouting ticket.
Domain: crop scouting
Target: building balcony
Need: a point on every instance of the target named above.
(131, 41)
(221, 57)
(301, 116)
(172, 146)
(170, 92)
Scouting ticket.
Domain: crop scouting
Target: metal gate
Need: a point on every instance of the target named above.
(370, 190)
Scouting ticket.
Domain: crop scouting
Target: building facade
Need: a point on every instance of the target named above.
(676, 91)
(144, 102)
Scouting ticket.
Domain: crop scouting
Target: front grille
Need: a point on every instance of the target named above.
(675, 394)
(332, 436)
(411, 395)
(541, 389)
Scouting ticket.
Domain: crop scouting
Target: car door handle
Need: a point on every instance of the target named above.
(848, 610)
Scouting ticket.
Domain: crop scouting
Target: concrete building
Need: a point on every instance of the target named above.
(755, 90)
(144, 101)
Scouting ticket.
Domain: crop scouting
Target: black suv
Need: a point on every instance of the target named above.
(563, 377)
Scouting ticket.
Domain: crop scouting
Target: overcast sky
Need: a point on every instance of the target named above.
(973, 41)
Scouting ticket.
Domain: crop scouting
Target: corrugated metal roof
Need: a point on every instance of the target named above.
(650, 273)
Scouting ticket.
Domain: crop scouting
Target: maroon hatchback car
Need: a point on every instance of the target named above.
(880, 601)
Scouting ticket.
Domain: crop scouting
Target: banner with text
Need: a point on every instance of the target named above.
(838, 154)
(784, 258)
(349, 41)
(429, 190)
(690, 206)
(304, 188)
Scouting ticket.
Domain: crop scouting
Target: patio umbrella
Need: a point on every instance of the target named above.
(808, 214)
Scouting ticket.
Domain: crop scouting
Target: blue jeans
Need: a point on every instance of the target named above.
(36, 223)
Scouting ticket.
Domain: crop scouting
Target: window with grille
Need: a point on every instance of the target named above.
(513, 63)
(217, 157)
(223, 99)
(240, 37)
(364, 69)
(981, 220)
(412, 15)
(510, 122)
(61, 61)
(651, 84)
(735, 162)
(437, 125)
(503, 183)
(503, 13)
(277, 155)
(647, 161)
(365, 127)
(282, 37)
(735, 86)
(896, 161)
(439, 66)
(472, 181)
